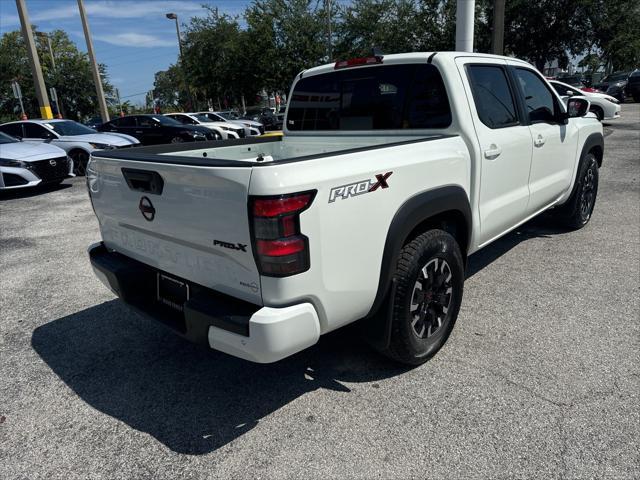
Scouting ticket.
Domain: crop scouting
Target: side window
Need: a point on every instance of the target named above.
(561, 89)
(492, 96)
(539, 101)
(428, 103)
(122, 122)
(14, 129)
(31, 130)
(146, 121)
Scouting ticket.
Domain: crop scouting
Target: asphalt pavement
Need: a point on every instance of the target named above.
(539, 379)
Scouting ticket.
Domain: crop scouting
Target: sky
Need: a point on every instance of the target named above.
(133, 38)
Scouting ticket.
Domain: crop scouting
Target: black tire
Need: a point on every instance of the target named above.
(636, 98)
(598, 111)
(80, 159)
(577, 211)
(415, 335)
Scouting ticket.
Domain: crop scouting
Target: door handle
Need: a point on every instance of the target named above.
(539, 141)
(138, 131)
(492, 152)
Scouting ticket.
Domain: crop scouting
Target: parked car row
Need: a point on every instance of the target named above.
(604, 106)
(619, 85)
(71, 138)
(35, 152)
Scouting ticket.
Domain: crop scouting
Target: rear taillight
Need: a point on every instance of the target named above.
(357, 62)
(279, 247)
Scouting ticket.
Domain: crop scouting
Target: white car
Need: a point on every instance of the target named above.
(228, 131)
(74, 138)
(251, 127)
(25, 164)
(604, 106)
(391, 172)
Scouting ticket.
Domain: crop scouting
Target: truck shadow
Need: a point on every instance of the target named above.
(189, 398)
(541, 226)
(192, 399)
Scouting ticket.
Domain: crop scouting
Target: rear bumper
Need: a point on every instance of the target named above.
(242, 329)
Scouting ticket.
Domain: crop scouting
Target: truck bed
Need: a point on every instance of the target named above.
(256, 151)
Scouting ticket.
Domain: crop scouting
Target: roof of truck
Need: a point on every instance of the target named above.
(411, 57)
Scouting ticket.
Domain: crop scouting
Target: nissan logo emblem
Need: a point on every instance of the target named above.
(53, 163)
(146, 208)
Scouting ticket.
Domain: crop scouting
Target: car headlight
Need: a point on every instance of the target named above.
(7, 162)
(612, 100)
(102, 146)
(226, 129)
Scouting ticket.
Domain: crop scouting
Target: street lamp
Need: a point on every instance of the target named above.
(174, 16)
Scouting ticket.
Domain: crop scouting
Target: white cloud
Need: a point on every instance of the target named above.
(131, 39)
(111, 9)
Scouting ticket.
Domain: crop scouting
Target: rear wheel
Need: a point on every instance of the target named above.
(80, 159)
(577, 211)
(429, 282)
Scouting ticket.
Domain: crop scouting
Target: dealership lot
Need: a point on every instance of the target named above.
(540, 378)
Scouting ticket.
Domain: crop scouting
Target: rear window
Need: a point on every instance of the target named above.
(390, 97)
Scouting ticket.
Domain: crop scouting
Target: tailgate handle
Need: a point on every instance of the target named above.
(143, 180)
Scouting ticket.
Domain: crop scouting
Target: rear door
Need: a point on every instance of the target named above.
(505, 145)
(554, 142)
(195, 227)
(37, 133)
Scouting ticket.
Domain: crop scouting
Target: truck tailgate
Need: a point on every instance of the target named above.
(189, 221)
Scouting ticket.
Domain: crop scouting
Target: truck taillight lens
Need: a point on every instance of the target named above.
(279, 247)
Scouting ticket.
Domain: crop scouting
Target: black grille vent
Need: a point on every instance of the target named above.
(50, 170)
(12, 180)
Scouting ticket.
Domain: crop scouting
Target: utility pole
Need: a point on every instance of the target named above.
(497, 34)
(465, 15)
(329, 45)
(34, 60)
(119, 103)
(104, 113)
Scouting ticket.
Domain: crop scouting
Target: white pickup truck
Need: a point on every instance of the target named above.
(391, 172)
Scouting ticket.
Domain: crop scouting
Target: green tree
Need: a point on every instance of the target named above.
(545, 30)
(615, 32)
(283, 38)
(169, 89)
(72, 77)
(215, 60)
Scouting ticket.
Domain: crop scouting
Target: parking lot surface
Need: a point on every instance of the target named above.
(540, 378)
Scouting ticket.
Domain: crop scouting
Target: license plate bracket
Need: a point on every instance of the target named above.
(172, 292)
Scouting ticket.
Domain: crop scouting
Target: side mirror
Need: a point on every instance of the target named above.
(570, 93)
(577, 107)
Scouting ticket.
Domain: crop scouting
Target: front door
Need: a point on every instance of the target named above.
(505, 146)
(554, 142)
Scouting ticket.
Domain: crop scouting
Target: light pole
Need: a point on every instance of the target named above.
(174, 16)
(102, 103)
(34, 61)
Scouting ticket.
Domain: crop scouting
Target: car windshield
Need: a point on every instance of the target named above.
(229, 115)
(202, 117)
(69, 127)
(166, 120)
(4, 138)
(616, 78)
